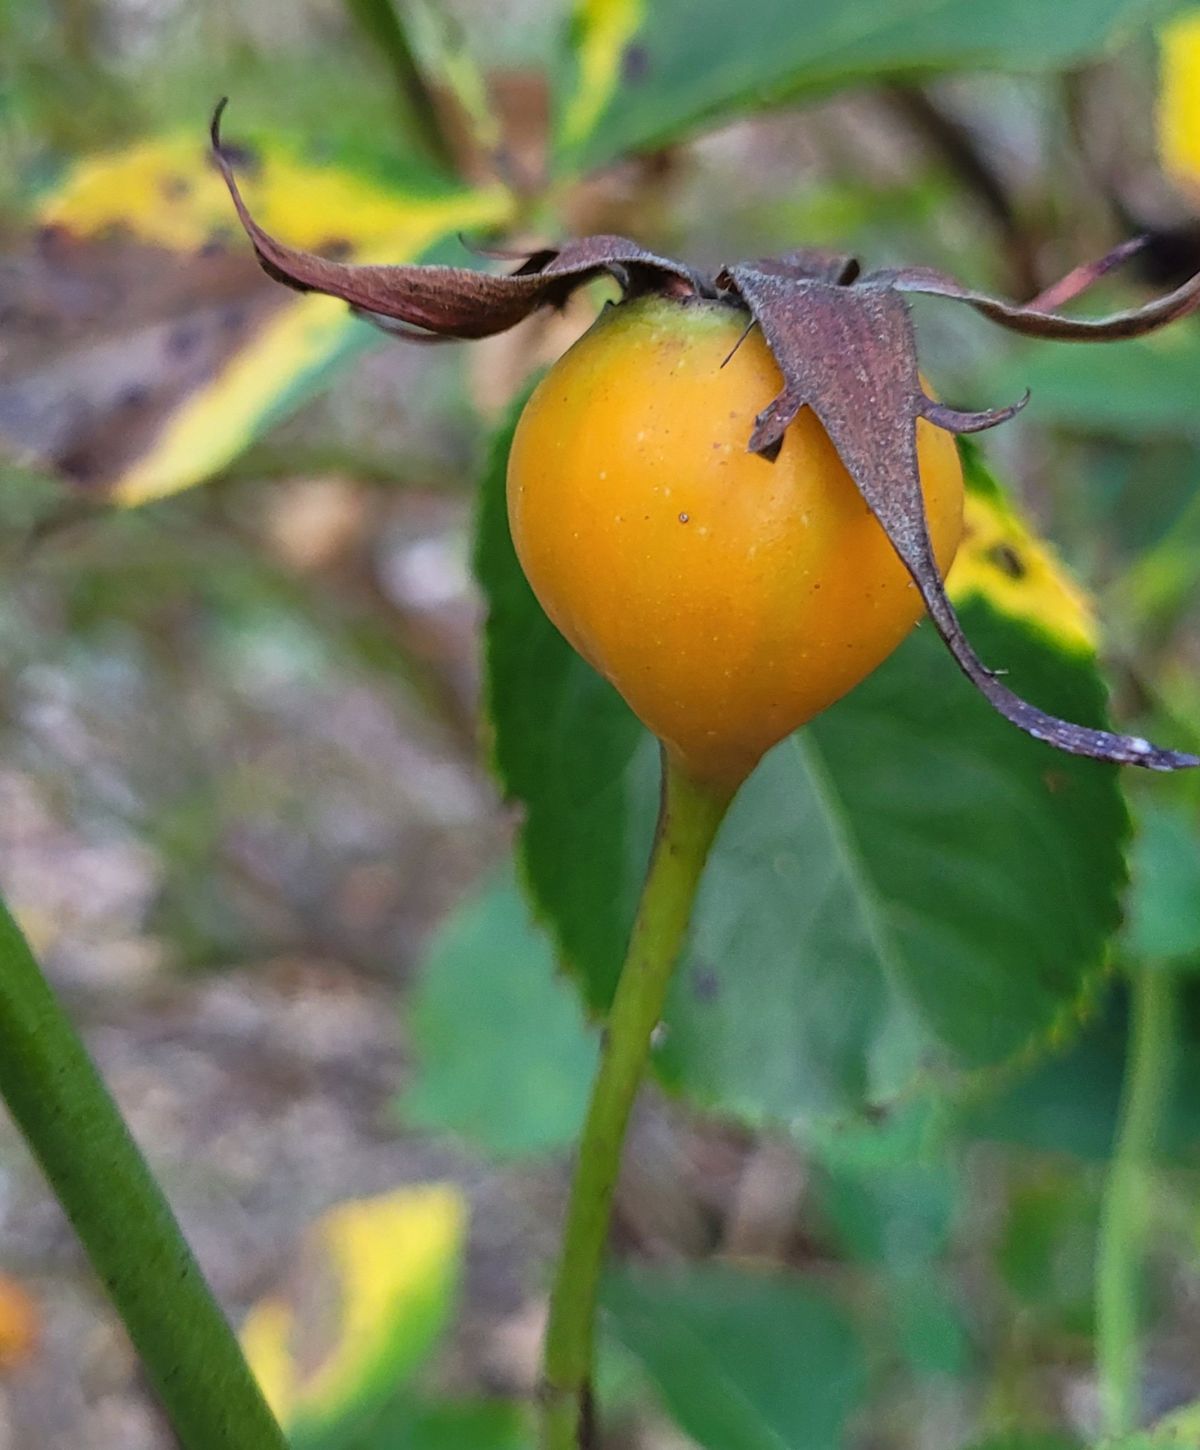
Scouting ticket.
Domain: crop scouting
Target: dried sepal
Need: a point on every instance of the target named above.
(1040, 317)
(455, 302)
(845, 346)
(850, 355)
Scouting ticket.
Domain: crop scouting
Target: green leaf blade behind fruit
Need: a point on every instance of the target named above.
(908, 887)
(637, 75)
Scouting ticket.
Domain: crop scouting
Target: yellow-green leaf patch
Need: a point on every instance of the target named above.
(148, 349)
(375, 1286)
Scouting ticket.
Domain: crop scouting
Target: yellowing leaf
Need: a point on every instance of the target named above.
(180, 416)
(1179, 98)
(375, 1288)
(166, 191)
(603, 28)
(265, 1343)
(215, 423)
(1002, 562)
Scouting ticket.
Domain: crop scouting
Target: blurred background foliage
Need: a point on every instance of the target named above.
(246, 815)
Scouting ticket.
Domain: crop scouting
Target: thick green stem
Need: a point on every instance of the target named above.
(688, 821)
(1123, 1213)
(74, 1128)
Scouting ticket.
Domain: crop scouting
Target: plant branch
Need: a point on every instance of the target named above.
(62, 1107)
(1123, 1212)
(689, 816)
(380, 23)
(952, 140)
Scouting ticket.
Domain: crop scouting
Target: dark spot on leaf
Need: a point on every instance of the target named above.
(182, 340)
(133, 396)
(1007, 560)
(706, 985)
(51, 238)
(79, 465)
(635, 64)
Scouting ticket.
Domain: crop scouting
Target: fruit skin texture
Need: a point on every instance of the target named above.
(727, 598)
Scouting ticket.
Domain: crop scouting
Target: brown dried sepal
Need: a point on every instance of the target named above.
(845, 346)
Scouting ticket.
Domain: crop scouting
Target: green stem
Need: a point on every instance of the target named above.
(380, 22)
(73, 1126)
(687, 825)
(1122, 1216)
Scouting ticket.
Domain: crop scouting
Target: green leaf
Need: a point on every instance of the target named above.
(1027, 1440)
(1164, 918)
(638, 74)
(504, 1056)
(1047, 1248)
(450, 1425)
(930, 1326)
(1140, 389)
(908, 873)
(889, 1189)
(1066, 1102)
(742, 1361)
(567, 747)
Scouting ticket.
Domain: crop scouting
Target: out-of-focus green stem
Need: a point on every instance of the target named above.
(379, 21)
(688, 819)
(1123, 1213)
(77, 1134)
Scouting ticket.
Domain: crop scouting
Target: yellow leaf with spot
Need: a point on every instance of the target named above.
(1003, 563)
(376, 1286)
(1179, 98)
(603, 28)
(165, 195)
(167, 191)
(218, 421)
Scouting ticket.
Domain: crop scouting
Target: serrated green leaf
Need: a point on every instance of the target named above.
(742, 1361)
(638, 74)
(504, 1057)
(907, 874)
